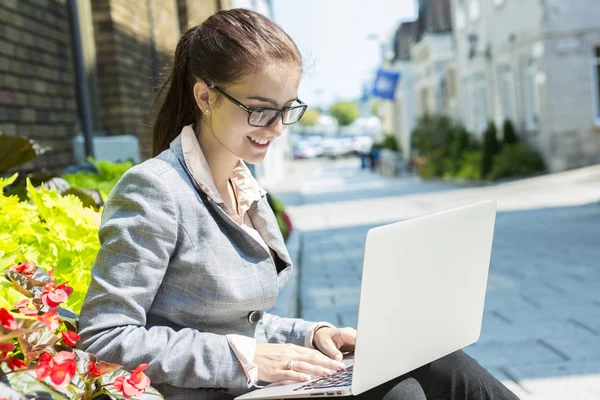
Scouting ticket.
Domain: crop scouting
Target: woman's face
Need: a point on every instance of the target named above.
(275, 86)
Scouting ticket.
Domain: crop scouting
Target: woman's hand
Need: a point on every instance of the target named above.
(332, 341)
(272, 360)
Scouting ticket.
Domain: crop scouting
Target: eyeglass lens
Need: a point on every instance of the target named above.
(264, 117)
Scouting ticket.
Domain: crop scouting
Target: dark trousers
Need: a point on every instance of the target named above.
(454, 377)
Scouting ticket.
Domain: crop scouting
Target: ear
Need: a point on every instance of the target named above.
(202, 96)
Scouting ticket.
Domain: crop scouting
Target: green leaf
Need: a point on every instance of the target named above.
(22, 283)
(38, 342)
(69, 318)
(26, 382)
(8, 254)
(25, 325)
(9, 295)
(10, 392)
(15, 150)
(4, 182)
(41, 277)
(150, 394)
(83, 360)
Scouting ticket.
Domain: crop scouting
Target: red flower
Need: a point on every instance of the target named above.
(56, 295)
(135, 384)
(5, 348)
(70, 338)
(50, 319)
(25, 268)
(7, 320)
(93, 370)
(61, 368)
(15, 363)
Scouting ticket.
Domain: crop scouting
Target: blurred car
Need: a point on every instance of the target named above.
(337, 148)
(305, 150)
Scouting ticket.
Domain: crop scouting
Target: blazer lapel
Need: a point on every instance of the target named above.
(260, 214)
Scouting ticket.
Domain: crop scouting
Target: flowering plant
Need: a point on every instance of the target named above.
(49, 230)
(37, 355)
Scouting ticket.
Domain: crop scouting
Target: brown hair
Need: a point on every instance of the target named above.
(223, 49)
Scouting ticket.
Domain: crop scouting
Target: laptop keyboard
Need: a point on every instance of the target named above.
(340, 378)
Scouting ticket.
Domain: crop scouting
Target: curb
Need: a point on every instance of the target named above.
(287, 301)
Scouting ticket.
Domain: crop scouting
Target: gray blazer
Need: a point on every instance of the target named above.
(174, 274)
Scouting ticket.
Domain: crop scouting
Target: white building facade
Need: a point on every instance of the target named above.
(535, 63)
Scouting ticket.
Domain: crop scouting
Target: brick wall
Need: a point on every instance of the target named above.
(38, 96)
(125, 62)
(37, 81)
(193, 12)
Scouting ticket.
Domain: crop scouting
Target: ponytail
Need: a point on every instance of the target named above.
(227, 46)
(178, 107)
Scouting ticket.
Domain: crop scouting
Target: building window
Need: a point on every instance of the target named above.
(507, 94)
(532, 97)
(597, 84)
(474, 10)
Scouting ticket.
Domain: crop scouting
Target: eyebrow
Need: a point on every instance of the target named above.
(267, 100)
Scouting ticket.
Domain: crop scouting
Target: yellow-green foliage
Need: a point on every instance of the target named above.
(52, 231)
(107, 177)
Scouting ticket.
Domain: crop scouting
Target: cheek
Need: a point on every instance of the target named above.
(232, 125)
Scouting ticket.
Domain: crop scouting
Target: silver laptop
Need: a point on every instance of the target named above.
(422, 295)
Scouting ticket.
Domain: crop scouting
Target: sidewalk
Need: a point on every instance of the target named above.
(541, 331)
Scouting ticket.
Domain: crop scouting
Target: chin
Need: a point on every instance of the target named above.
(255, 159)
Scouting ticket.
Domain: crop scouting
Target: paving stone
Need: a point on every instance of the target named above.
(495, 354)
(541, 327)
(555, 379)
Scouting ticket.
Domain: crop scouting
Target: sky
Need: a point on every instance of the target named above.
(333, 36)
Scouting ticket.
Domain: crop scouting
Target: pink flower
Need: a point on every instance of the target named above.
(50, 319)
(25, 268)
(135, 384)
(7, 321)
(22, 304)
(70, 338)
(23, 307)
(61, 368)
(55, 296)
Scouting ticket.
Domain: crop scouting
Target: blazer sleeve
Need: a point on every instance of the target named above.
(138, 236)
(286, 330)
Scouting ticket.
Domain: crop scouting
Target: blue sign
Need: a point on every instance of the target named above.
(385, 84)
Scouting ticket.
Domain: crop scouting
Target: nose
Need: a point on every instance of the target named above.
(277, 127)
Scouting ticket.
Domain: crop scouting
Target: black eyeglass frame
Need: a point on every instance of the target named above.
(250, 110)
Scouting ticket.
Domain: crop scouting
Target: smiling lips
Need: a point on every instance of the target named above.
(259, 143)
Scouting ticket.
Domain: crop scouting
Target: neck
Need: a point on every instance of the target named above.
(220, 160)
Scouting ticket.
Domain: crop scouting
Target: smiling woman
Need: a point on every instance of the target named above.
(191, 255)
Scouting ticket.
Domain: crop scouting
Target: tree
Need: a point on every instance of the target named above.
(491, 147)
(345, 112)
(310, 118)
(509, 132)
(375, 107)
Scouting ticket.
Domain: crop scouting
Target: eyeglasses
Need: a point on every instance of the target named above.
(263, 116)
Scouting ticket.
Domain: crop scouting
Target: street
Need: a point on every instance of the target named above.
(541, 329)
